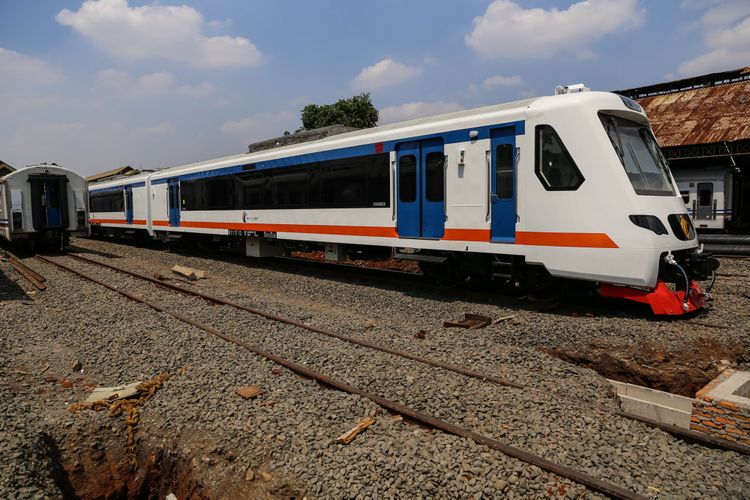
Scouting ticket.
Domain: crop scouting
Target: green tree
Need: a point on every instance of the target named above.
(357, 111)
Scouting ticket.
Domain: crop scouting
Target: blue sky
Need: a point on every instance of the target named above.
(97, 84)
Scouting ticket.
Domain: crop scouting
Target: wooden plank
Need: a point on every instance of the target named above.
(348, 436)
(249, 392)
(189, 272)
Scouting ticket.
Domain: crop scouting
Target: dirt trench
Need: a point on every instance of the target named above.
(683, 369)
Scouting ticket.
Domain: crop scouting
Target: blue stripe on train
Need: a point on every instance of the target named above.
(118, 188)
(450, 137)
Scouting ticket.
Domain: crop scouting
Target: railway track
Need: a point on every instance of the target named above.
(692, 435)
(411, 412)
(36, 279)
(389, 404)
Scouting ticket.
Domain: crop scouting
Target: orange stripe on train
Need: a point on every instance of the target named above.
(136, 222)
(581, 240)
(386, 232)
(532, 238)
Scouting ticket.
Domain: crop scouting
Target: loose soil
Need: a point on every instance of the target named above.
(406, 266)
(683, 369)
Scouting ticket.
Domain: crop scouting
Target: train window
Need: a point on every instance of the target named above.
(685, 197)
(343, 183)
(108, 201)
(250, 189)
(435, 177)
(290, 188)
(504, 171)
(555, 167)
(407, 178)
(639, 153)
(356, 182)
(379, 181)
(218, 193)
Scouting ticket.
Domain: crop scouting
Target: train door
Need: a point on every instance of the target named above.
(128, 204)
(49, 201)
(173, 194)
(503, 184)
(705, 200)
(421, 189)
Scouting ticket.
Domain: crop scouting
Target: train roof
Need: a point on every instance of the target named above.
(357, 137)
(121, 181)
(40, 168)
(510, 111)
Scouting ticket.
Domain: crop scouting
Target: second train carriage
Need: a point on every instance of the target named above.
(565, 186)
(717, 198)
(43, 202)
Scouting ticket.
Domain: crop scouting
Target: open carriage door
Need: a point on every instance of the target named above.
(49, 201)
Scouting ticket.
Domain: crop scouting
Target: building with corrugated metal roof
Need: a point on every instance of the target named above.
(113, 174)
(703, 124)
(5, 169)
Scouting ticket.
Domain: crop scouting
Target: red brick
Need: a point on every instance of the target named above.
(728, 405)
(695, 419)
(701, 414)
(715, 409)
(700, 428)
(738, 432)
(712, 424)
(726, 421)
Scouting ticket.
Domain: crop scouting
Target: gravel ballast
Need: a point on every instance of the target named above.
(285, 439)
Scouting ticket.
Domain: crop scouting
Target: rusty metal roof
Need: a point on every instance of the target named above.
(118, 172)
(711, 114)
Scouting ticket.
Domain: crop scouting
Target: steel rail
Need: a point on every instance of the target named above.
(693, 436)
(594, 483)
(33, 273)
(31, 276)
(346, 338)
(689, 433)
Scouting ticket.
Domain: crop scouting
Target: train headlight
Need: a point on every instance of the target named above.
(681, 226)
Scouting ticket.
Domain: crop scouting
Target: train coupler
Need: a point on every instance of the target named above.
(662, 300)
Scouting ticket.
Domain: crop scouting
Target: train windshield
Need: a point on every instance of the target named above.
(639, 154)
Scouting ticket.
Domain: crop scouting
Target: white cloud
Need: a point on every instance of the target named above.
(241, 126)
(19, 69)
(261, 126)
(508, 30)
(384, 73)
(502, 81)
(121, 84)
(157, 31)
(412, 110)
(726, 34)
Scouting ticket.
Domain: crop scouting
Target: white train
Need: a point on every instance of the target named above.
(570, 186)
(43, 202)
(709, 196)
